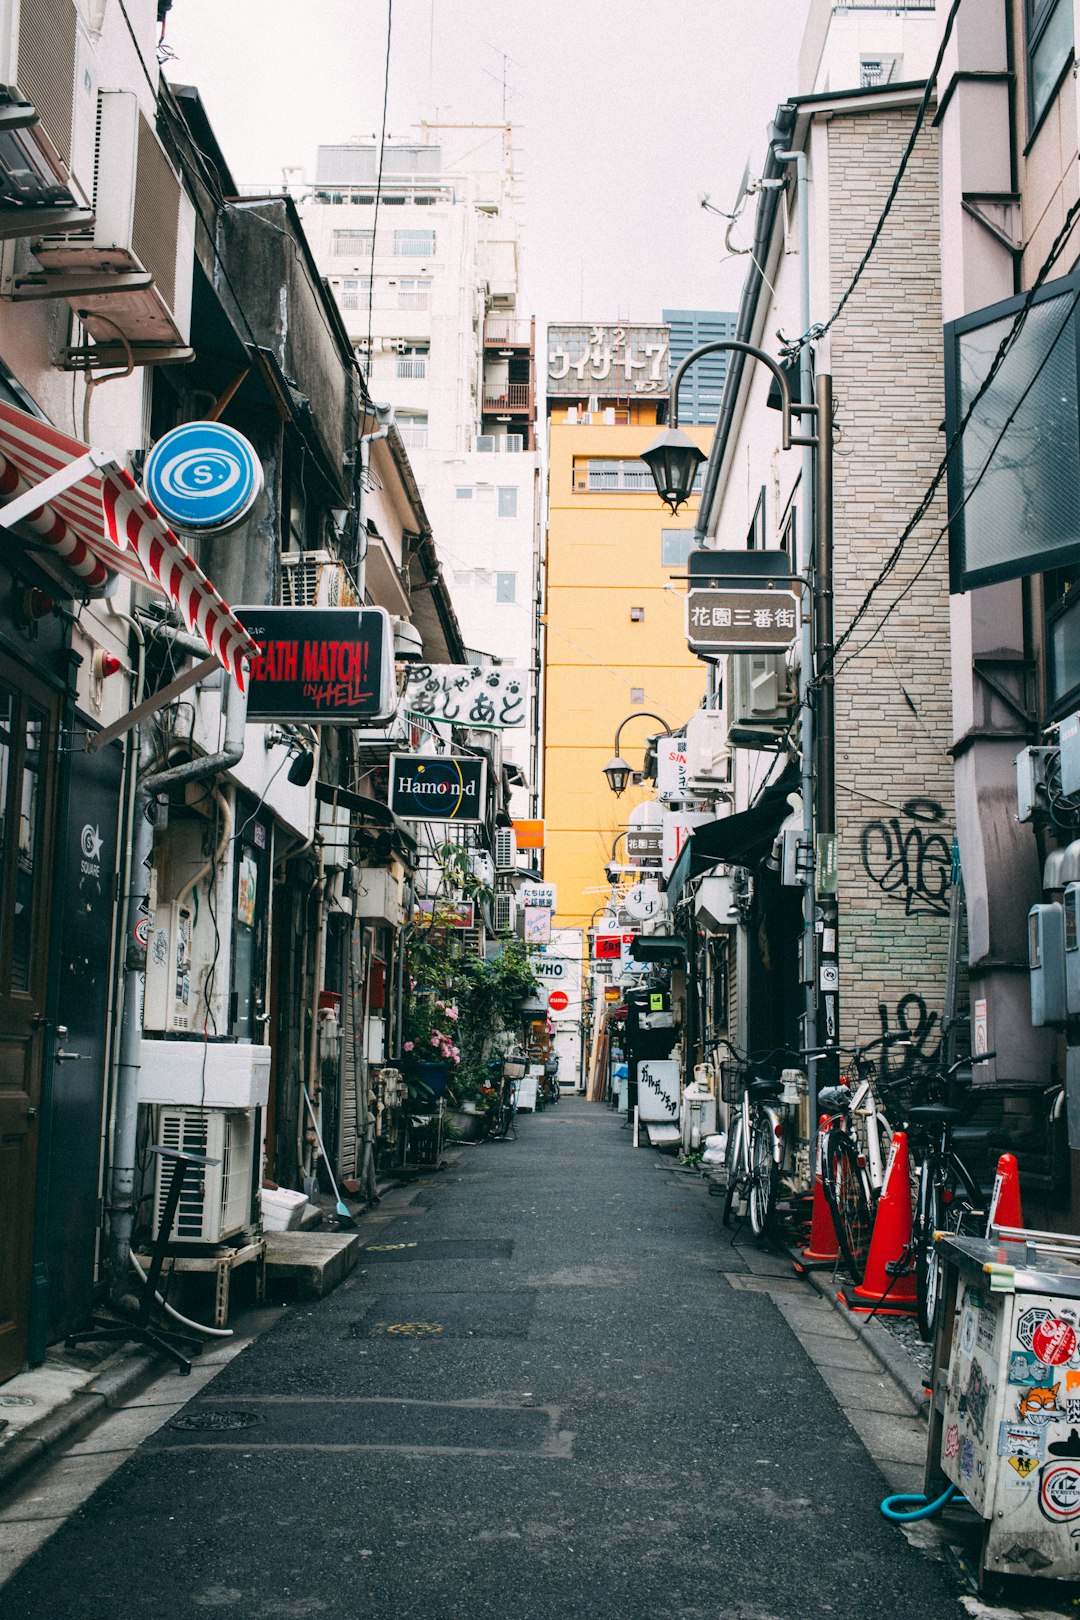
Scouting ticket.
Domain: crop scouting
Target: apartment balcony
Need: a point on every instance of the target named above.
(514, 398)
(503, 332)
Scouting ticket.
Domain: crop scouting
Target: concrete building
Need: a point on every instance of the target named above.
(425, 271)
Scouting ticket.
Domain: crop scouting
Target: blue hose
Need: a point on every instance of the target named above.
(892, 1509)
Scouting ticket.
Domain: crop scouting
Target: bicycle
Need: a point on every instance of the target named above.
(500, 1111)
(757, 1135)
(948, 1194)
(854, 1146)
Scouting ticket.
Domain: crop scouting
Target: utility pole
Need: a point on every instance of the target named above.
(826, 920)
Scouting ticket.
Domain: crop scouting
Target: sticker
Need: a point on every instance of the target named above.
(976, 1397)
(968, 1326)
(1059, 1491)
(1021, 1440)
(1029, 1321)
(967, 1457)
(1026, 1368)
(952, 1440)
(1024, 1467)
(1039, 1404)
(1054, 1341)
(987, 1330)
(142, 931)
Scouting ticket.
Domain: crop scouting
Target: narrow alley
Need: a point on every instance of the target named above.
(553, 1387)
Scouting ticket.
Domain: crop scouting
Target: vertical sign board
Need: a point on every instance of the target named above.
(321, 666)
(438, 787)
(558, 967)
(678, 827)
(658, 1091)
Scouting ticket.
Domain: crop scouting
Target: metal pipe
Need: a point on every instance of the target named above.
(121, 1209)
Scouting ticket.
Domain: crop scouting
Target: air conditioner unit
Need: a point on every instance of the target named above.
(761, 698)
(505, 849)
(504, 913)
(315, 579)
(377, 894)
(144, 225)
(483, 868)
(485, 441)
(216, 1200)
(204, 1074)
(708, 759)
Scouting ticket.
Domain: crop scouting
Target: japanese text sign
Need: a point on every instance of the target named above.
(741, 621)
(468, 694)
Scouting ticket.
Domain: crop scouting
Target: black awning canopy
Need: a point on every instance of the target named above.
(657, 947)
(746, 838)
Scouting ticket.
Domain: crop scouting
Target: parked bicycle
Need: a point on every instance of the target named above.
(949, 1198)
(500, 1101)
(758, 1129)
(854, 1147)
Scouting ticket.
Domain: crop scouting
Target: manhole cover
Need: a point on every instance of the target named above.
(402, 1316)
(215, 1421)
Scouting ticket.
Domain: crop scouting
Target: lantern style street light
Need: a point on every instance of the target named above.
(618, 770)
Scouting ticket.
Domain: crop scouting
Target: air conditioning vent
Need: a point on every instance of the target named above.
(216, 1200)
(505, 849)
(483, 868)
(473, 940)
(504, 913)
(762, 699)
(48, 35)
(144, 224)
(315, 579)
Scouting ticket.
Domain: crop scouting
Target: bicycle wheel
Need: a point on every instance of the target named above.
(733, 1165)
(844, 1184)
(764, 1175)
(929, 1218)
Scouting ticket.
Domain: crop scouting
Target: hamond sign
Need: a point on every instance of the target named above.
(437, 787)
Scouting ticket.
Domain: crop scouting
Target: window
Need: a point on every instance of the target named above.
(463, 492)
(1062, 643)
(414, 292)
(505, 587)
(414, 244)
(355, 292)
(1048, 31)
(412, 359)
(413, 426)
(352, 244)
(627, 475)
(675, 546)
(508, 501)
(875, 70)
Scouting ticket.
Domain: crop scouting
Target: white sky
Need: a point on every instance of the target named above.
(625, 113)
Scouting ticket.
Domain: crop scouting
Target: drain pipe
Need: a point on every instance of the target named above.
(136, 930)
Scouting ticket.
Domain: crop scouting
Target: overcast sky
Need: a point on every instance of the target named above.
(625, 113)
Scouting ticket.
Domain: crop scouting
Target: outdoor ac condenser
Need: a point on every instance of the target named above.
(216, 1200)
(505, 849)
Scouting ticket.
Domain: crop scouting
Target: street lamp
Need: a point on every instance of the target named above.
(674, 458)
(618, 770)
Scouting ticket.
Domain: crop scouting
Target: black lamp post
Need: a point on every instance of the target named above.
(673, 459)
(618, 770)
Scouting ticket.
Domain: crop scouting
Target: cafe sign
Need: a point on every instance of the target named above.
(321, 666)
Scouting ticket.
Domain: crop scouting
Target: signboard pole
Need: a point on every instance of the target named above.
(825, 901)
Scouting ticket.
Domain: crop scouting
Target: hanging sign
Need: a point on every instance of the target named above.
(529, 834)
(324, 666)
(468, 694)
(741, 621)
(203, 476)
(643, 901)
(645, 846)
(538, 894)
(537, 925)
(437, 787)
(444, 913)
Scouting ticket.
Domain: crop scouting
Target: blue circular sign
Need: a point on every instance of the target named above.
(203, 475)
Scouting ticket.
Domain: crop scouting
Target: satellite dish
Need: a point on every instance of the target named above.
(743, 184)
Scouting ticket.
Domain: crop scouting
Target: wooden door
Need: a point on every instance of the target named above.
(29, 724)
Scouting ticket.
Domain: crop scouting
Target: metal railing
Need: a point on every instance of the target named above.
(507, 333)
(515, 397)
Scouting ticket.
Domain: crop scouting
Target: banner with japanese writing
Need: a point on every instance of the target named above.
(468, 694)
(741, 621)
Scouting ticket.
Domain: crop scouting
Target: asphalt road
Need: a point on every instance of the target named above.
(538, 1397)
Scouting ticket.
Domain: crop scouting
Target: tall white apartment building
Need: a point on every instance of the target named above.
(424, 264)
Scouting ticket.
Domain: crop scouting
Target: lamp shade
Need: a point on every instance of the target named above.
(673, 459)
(618, 772)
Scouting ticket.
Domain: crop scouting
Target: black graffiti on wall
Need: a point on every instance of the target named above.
(920, 1030)
(908, 859)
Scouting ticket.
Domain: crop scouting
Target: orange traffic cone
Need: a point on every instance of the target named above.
(885, 1290)
(821, 1248)
(1005, 1203)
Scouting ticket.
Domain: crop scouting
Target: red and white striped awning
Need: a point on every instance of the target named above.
(88, 511)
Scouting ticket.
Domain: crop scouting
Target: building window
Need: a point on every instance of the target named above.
(1048, 32)
(875, 70)
(463, 492)
(412, 359)
(413, 426)
(355, 292)
(508, 501)
(675, 546)
(505, 587)
(414, 292)
(414, 244)
(352, 244)
(627, 475)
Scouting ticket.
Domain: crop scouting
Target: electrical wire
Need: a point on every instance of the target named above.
(819, 331)
(379, 178)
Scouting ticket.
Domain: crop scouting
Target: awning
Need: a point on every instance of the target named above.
(85, 509)
(657, 947)
(740, 840)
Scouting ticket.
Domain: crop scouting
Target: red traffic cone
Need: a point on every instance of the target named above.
(883, 1290)
(821, 1248)
(1005, 1202)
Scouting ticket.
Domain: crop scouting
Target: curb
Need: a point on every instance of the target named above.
(111, 1388)
(890, 1355)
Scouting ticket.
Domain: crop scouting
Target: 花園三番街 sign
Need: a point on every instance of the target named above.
(741, 621)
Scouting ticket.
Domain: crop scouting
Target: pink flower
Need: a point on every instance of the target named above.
(408, 1046)
(436, 1040)
(452, 1012)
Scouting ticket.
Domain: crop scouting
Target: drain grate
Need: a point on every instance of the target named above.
(203, 1421)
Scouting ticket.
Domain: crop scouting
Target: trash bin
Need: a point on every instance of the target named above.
(1005, 1419)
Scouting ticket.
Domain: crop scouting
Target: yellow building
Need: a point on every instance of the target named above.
(615, 640)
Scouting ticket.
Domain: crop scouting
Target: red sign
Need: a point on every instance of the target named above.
(609, 947)
(1053, 1341)
(558, 1000)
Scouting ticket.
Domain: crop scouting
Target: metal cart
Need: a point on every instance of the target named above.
(1005, 1414)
